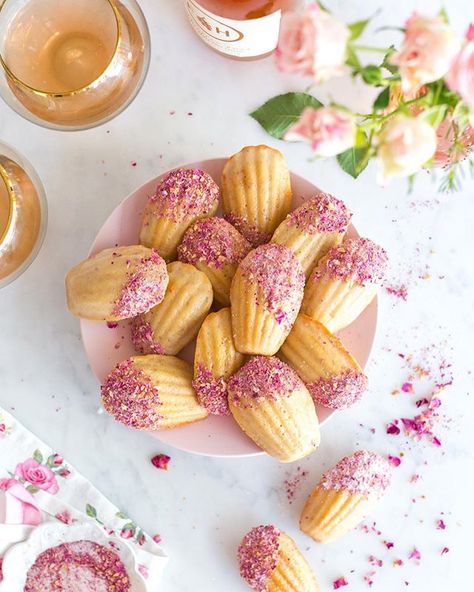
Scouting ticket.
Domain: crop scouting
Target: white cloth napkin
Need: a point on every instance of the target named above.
(48, 488)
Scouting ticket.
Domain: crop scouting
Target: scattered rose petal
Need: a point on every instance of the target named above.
(444, 550)
(339, 583)
(388, 544)
(397, 562)
(374, 561)
(440, 525)
(161, 461)
(292, 484)
(414, 478)
(394, 460)
(368, 578)
(414, 554)
(407, 387)
(112, 325)
(157, 538)
(393, 429)
(421, 402)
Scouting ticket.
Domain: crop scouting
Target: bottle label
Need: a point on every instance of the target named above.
(242, 39)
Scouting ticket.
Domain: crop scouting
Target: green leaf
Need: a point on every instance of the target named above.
(352, 60)
(444, 15)
(355, 160)
(38, 456)
(434, 115)
(322, 7)
(32, 488)
(372, 75)
(121, 515)
(91, 511)
(386, 61)
(131, 526)
(382, 100)
(356, 29)
(50, 461)
(282, 111)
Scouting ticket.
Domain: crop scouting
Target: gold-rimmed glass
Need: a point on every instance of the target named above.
(72, 64)
(23, 214)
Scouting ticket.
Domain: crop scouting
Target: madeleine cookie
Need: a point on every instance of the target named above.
(270, 561)
(344, 282)
(181, 198)
(331, 374)
(256, 192)
(216, 248)
(313, 228)
(273, 407)
(215, 360)
(116, 284)
(265, 297)
(168, 327)
(345, 496)
(152, 393)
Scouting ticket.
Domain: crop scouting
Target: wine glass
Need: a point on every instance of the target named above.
(23, 214)
(72, 64)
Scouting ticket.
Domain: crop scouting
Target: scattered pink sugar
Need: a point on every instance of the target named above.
(394, 460)
(252, 233)
(357, 259)
(156, 538)
(143, 338)
(262, 378)
(211, 391)
(292, 484)
(365, 473)
(397, 291)
(130, 396)
(258, 556)
(369, 578)
(444, 550)
(279, 278)
(414, 554)
(145, 287)
(422, 425)
(339, 583)
(388, 544)
(213, 241)
(321, 213)
(161, 461)
(440, 525)
(414, 478)
(82, 566)
(375, 561)
(339, 391)
(111, 325)
(184, 194)
(397, 562)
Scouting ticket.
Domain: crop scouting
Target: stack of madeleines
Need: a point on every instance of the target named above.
(262, 290)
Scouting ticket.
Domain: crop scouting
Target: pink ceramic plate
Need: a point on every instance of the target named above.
(215, 436)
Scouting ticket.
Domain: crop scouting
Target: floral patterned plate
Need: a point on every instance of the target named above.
(215, 436)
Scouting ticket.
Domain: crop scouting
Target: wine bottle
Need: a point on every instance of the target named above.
(241, 29)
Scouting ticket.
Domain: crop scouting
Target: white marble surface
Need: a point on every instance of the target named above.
(202, 506)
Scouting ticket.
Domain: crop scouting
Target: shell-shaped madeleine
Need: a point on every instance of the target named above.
(265, 297)
(312, 229)
(168, 327)
(270, 561)
(116, 284)
(216, 248)
(152, 392)
(273, 407)
(344, 282)
(182, 197)
(215, 360)
(256, 192)
(331, 374)
(345, 496)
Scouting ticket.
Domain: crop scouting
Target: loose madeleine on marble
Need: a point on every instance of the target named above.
(215, 360)
(345, 496)
(330, 373)
(216, 248)
(274, 408)
(151, 393)
(312, 229)
(116, 284)
(256, 192)
(270, 561)
(265, 296)
(182, 197)
(172, 324)
(344, 282)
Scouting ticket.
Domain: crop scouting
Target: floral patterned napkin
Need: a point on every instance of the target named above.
(37, 485)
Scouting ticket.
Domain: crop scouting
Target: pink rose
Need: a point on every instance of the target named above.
(328, 130)
(65, 517)
(38, 475)
(452, 146)
(3, 430)
(126, 533)
(17, 504)
(405, 145)
(428, 49)
(58, 459)
(312, 43)
(460, 78)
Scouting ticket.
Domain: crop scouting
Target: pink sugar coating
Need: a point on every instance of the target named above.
(252, 233)
(258, 556)
(141, 334)
(262, 378)
(79, 566)
(279, 276)
(321, 213)
(130, 396)
(339, 391)
(357, 259)
(211, 391)
(365, 473)
(185, 193)
(213, 241)
(145, 287)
